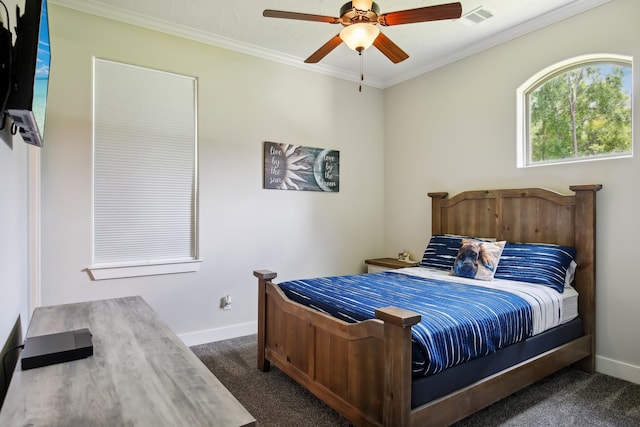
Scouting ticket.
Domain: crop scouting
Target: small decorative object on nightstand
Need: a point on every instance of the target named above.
(405, 256)
(383, 264)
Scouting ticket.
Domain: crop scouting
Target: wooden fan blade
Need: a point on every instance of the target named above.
(421, 14)
(299, 16)
(324, 50)
(389, 49)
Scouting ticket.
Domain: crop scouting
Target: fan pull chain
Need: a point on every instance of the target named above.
(361, 72)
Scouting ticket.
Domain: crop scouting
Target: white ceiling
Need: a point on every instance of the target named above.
(240, 26)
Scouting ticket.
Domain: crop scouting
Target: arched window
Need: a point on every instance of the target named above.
(577, 110)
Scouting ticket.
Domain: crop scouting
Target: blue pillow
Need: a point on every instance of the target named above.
(442, 250)
(539, 263)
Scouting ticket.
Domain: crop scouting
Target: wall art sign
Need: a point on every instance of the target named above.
(293, 167)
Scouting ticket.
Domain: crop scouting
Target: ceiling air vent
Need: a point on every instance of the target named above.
(476, 16)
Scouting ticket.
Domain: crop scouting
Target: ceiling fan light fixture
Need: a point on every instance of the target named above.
(359, 36)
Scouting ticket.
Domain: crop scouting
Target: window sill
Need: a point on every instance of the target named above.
(103, 272)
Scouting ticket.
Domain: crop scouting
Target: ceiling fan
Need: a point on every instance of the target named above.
(360, 19)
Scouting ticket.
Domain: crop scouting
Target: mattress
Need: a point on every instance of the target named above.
(462, 319)
(568, 299)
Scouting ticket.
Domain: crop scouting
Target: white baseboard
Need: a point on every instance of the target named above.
(219, 334)
(618, 369)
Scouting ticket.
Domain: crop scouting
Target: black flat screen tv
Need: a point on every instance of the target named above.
(30, 71)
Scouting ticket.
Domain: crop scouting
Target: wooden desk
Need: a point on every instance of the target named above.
(141, 374)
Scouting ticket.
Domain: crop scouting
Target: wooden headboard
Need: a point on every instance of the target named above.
(532, 215)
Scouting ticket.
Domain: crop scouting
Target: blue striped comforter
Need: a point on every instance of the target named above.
(460, 320)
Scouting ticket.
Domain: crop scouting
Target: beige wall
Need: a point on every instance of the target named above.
(243, 101)
(455, 129)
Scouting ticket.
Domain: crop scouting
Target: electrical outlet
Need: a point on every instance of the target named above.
(225, 302)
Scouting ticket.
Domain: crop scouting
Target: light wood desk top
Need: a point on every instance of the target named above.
(141, 374)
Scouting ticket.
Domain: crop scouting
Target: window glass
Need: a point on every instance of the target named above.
(577, 110)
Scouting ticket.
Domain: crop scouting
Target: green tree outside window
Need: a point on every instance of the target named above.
(578, 110)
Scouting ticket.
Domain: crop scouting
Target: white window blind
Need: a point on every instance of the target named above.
(145, 175)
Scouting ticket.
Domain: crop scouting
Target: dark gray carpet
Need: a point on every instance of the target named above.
(568, 398)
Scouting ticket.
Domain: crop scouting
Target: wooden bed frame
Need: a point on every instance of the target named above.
(363, 370)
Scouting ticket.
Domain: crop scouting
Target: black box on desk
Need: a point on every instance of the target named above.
(49, 349)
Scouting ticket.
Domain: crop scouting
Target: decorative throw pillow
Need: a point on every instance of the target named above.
(477, 259)
(442, 250)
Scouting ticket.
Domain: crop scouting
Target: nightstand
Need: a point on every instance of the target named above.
(383, 264)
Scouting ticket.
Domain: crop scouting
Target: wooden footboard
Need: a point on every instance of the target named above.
(362, 370)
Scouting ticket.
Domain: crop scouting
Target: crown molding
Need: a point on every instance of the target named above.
(128, 17)
(125, 16)
(512, 33)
